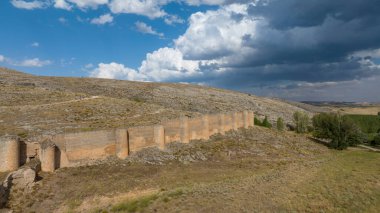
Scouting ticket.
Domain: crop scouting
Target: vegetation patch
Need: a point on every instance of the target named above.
(135, 205)
(367, 123)
(139, 204)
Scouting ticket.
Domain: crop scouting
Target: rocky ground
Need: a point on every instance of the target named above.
(254, 170)
(33, 105)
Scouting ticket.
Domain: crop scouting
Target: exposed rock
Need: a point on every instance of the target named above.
(20, 180)
(23, 178)
(3, 196)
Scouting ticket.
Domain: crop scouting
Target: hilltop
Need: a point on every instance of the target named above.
(35, 105)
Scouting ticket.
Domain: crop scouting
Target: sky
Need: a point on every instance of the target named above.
(303, 50)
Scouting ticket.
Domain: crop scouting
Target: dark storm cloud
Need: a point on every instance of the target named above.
(314, 30)
(306, 41)
(241, 78)
(283, 14)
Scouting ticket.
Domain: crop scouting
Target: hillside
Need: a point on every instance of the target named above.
(34, 105)
(249, 170)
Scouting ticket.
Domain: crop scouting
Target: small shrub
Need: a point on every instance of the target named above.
(266, 123)
(280, 124)
(376, 141)
(301, 121)
(258, 122)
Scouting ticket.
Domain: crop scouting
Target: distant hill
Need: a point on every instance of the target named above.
(34, 105)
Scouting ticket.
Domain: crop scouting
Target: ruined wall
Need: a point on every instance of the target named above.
(228, 122)
(9, 154)
(140, 138)
(213, 124)
(172, 131)
(239, 119)
(74, 149)
(198, 128)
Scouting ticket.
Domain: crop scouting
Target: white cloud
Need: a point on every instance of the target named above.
(34, 62)
(84, 4)
(29, 5)
(146, 29)
(62, 20)
(2, 58)
(164, 64)
(103, 19)
(62, 4)
(149, 8)
(368, 53)
(88, 66)
(167, 64)
(35, 44)
(173, 19)
(215, 34)
(116, 71)
(207, 2)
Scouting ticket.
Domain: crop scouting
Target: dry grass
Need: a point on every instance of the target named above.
(32, 105)
(252, 170)
(372, 110)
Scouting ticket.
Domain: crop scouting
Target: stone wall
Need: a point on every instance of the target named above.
(75, 149)
(140, 138)
(172, 131)
(9, 154)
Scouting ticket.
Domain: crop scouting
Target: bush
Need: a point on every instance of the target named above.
(280, 124)
(258, 122)
(341, 130)
(264, 123)
(301, 121)
(376, 141)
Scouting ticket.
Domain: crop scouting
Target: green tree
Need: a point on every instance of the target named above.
(266, 123)
(257, 122)
(376, 141)
(340, 130)
(280, 124)
(301, 121)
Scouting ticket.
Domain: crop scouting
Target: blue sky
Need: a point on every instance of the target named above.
(294, 49)
(70, 41)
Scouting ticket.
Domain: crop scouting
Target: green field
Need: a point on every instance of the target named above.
(369, 124)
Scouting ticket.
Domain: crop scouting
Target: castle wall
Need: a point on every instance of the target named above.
(214, 124)
(199, 128)
(172, 131)
(67, 150)
(228, 122)
(9, 154)
(240, 119)
(89, 145)
(196, 129)
(48, 154)
(122, 144)
(3, 155)
(140, 138)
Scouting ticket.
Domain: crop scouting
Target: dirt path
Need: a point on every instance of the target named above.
(52, 104)
(369, 148)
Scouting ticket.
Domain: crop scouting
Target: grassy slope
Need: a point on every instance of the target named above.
(34, 105)
(255, 170)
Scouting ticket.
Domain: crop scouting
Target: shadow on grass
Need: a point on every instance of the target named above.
(323, 142)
